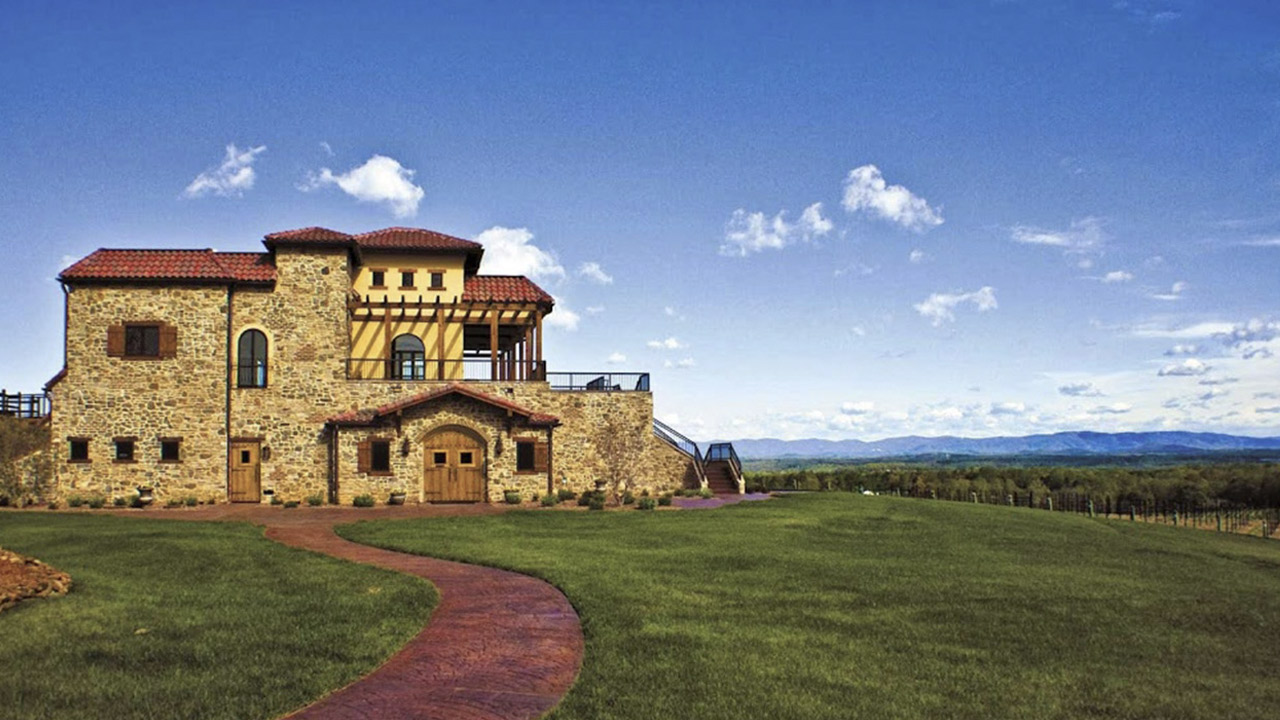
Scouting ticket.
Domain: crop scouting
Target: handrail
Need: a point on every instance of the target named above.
(415, 368)
(599, 381)
(24, 405)
(684, 445)
(725, 452)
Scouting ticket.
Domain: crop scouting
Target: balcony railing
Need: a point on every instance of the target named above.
(465, 370)
(599, 382)
(24, 405)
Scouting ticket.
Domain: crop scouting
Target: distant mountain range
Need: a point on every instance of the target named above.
(1064, 443)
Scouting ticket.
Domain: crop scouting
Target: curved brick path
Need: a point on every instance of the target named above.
(499, 644)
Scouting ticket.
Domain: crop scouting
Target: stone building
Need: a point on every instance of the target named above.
(336, 365)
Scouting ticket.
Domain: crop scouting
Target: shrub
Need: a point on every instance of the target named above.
(628, 498)
(644, 492)
(53, 504)
(275, 500)
(689, 492)
(211, 501)
(565, 494)
(315, 500)
(597, 502)
(665, 499)
(549, 500)
(173, 503)
(646, 503)
(291, 504)
(75, 501)
(584, 499)
(120, 501)
(136, 502)
(706, 494)
(190, 501)
(511, 497)
(97, 501)
(362, 501)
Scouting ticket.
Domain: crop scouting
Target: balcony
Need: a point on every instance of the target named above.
(482, 369)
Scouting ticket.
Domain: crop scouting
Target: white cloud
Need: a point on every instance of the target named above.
(1116, 409)
(326, 148)
(1264, 242)
(746, 233)
(670, 343)
(509, 251)
(1117, 276)
(1008, 408)
(1084, 236)
(672, 313)
(380, 180)
(939, 307)
(1186, 368)
(563, 318)
(1182, 349)
(596, 274)
(1272, 409)
(616, 358)
(1212, 393)
(917, 256)
(1253, 331)
(681, 364)
(812, 224)
(1186, 332)
(857, 408)
(1175, 292)
(1219, 381)
(230, 179)
(865, 190)
(1083, 389)
(595, 309)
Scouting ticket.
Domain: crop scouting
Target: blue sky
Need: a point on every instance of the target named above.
(805, 220)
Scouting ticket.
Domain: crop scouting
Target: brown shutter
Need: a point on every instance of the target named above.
(168, 341)
(115, 341)
(540, 457)
(364, 457)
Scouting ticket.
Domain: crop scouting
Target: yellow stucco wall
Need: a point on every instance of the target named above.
(422, 265)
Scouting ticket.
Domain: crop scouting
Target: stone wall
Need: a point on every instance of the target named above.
(308, 333)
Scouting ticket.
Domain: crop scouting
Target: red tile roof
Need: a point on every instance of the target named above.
(366, 417)
(307, 235)
(413, 239)
(172, 265)
(503, 288)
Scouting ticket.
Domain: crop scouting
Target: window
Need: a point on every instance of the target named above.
(439, 457)
(437, 280)
(466, 458)
(251, 363)
(142, 340)
(408, 358)
(78, 451)
(406, 280)
(378, 278)
(124, 449)
(524, 456)
(380, 456)
(170, 450)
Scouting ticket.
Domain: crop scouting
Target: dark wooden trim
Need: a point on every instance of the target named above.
(125, 438)
(248, 439)
(74, 438)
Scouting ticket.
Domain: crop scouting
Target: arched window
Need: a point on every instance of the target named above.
(251, 363)
(408, 358)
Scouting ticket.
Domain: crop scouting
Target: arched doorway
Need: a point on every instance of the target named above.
(455, 465)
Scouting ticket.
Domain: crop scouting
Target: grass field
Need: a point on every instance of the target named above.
(843, 606)
(191, 620)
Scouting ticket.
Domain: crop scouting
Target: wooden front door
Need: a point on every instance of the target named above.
(454, 466)
(246, 472)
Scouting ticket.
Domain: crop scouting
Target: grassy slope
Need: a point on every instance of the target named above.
(237, 626)
(839, 606)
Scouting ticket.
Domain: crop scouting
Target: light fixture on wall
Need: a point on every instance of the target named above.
(404, 447)
(497, 446)
(266, 453)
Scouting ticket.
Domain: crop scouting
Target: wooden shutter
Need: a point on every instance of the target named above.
(540, 457)
(115, 341)
(168, 341)
(364, 457)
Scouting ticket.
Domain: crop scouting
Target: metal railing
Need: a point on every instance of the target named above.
(725, 452)
(599, 382)
(24, 405)
(470, 369)
(684, 445)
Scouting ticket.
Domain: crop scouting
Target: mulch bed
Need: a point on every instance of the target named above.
(23, 577)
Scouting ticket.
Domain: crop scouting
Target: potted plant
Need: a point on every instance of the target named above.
(146, 495)
(397, 498)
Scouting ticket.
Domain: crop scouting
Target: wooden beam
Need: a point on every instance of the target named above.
(386, 337)
(537, 328)
(439, 343)
(493, 346)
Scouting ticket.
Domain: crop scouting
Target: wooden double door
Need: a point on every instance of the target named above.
(455, 466)
(245, 484)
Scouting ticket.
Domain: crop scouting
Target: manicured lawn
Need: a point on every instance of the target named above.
(842, 606)
(191, 620)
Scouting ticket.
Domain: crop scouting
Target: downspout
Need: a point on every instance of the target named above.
(227, 433)
(333, 464)
(551, 483)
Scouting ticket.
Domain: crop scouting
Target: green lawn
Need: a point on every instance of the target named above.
(236, 626)
(842, 606)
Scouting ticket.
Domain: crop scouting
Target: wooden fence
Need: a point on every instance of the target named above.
(24, 405)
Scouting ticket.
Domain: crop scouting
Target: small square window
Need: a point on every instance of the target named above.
(466, 457)
(524, 456)
(171, 450)
(79, 450)
(124, 450)
(437, 281)
(406, 279)
(378, 278)
(440, 457)
(380, 456)
(142, 340)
